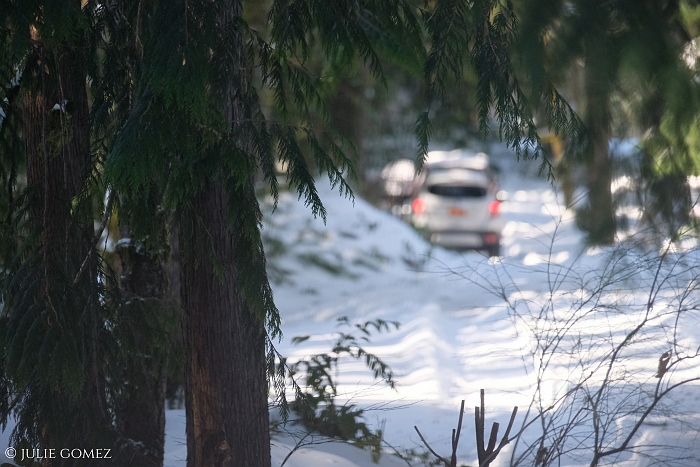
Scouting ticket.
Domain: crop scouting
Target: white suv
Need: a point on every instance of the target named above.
(457, 204)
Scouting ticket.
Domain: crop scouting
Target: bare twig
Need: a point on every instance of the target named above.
(486, 454)
(455, 437)
(440, 458)
(491, 452)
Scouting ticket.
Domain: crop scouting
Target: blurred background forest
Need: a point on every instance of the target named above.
(630, 72)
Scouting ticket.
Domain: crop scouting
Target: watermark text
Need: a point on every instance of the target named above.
(64, 453)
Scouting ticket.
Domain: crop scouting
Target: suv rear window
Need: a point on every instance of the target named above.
(457, 191)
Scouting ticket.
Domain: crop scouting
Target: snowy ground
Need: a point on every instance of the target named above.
(458, 336)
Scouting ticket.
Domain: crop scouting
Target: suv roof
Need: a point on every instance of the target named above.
(458, 158)
(456, 175)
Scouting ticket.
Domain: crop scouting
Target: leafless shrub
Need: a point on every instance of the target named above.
(611, 340)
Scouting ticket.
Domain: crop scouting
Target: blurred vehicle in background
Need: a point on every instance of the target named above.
(454, 201)
(399, 184)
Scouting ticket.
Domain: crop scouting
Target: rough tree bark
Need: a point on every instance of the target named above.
(226, 385)
(55, 114)
(226, 382)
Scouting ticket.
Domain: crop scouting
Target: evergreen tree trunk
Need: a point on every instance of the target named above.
(141, 410)
(600, 218)
(175, 376)
(58, 165)
(226, 385)
(58, 155)
(226, 381)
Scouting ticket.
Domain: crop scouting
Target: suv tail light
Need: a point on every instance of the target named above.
(490, 238)
(418, 206)
(495, 207)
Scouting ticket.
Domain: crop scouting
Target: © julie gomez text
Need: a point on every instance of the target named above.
(65, 453)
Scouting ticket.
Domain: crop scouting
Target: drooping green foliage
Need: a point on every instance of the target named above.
(179, 79)
(484, 32)
(316, 404)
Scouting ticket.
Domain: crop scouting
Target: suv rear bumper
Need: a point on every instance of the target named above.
(465, 239)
